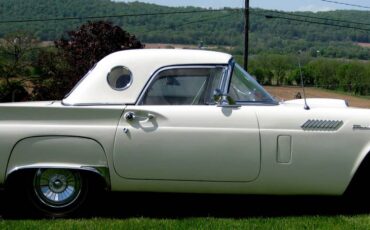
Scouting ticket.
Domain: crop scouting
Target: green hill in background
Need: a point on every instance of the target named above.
(221, 28)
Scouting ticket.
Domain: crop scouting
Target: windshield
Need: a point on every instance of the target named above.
(245, 89)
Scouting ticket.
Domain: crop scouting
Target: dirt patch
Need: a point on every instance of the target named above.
(362, 44)
(288, 93)
(168, 46)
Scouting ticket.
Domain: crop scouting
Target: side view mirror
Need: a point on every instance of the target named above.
(223, 100)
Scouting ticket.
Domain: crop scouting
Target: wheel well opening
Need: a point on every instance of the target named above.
(357, 186)
(95, 180)
(11, 179)
(23, 189)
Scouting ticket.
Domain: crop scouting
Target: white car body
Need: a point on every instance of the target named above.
(272, 148)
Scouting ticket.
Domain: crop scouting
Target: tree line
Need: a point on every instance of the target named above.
(29, 71)
(223, 28)
(333, 74)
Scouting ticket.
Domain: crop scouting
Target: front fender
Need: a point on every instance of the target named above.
(58, 152)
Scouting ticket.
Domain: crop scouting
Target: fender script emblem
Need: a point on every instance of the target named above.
(360, 127)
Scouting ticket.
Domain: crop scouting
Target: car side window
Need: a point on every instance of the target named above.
(184, 86)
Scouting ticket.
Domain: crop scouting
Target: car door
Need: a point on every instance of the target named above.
(177, 132)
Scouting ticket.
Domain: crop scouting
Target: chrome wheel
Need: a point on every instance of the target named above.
(57, 188)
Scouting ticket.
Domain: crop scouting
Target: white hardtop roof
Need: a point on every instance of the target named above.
(142, 63)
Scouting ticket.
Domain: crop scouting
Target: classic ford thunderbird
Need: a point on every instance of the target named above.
(186, 121)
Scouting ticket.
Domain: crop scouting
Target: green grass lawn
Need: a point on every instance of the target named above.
(185, 211)
(303, 222)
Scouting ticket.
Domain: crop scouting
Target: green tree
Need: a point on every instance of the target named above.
(60, 69)
(15, 65)
(352, 77)
(91, 42)
(52, 75)
(307, 75)
(324, 73)
(280, 65)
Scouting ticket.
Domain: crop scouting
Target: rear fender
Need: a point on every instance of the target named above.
(67, 152)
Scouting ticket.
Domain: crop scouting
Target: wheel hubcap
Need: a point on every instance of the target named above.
(57, 188)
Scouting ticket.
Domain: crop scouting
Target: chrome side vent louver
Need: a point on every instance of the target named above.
(321, 125)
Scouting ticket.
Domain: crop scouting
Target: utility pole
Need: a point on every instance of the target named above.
(246, 34)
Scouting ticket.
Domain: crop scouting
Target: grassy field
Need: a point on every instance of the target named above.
(304, 222)
(166, 211)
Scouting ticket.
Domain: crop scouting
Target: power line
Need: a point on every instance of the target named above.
(312, 22)
(205, 11)
(315, 17)
(114, 16)
(265, 15)
(171, 13)
(347, 4)
(261, 14)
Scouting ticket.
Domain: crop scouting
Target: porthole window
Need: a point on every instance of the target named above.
(119, 78)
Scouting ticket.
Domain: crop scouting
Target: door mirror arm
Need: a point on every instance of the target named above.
(224, 100)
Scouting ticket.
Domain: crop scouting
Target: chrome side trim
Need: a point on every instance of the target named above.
(360, 127)
(225, 82)
(321, 125)
(100, 170)
(92, 104)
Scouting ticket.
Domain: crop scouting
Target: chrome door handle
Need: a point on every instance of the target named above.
(130, 116)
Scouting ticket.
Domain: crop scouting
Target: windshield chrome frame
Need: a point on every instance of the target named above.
(156, 73)
(227, 82)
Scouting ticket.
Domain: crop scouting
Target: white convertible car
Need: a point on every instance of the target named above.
(186, 121)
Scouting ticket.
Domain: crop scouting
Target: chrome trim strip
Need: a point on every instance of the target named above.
(93, 104)
(225, 82)
(102, 171)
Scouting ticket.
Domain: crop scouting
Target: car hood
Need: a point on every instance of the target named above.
(318, 103)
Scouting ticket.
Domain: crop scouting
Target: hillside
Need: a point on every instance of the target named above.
(223, 28)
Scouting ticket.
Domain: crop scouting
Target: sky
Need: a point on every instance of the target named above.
(285, 5)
